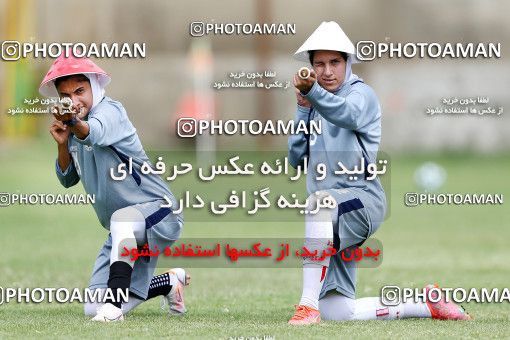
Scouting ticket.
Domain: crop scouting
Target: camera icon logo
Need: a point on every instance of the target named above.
(197, 29)
(390, 295)
(411, 199)
(11, 50)
(365, 50)
(5, 199)
(187, 127)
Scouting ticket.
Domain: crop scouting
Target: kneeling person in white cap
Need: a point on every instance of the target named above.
(350, 115)
(92, 138)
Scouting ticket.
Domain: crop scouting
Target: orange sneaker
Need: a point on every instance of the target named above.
(175, 299)
(305, 316)
(443, 310)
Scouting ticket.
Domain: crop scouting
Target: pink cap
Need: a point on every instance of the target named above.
(66, 66)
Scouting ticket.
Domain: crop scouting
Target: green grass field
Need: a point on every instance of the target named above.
(455, 246)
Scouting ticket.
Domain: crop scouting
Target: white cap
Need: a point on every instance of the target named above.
(328, 36)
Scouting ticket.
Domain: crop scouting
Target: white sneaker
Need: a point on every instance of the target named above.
(175, 299)
(108, 313)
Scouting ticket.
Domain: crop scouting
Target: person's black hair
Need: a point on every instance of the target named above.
(311, 53)
(61, 79)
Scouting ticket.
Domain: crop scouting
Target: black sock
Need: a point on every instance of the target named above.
(160, 285)
(120, 278)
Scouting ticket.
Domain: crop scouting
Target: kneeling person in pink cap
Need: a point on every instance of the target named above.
(94, 137)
